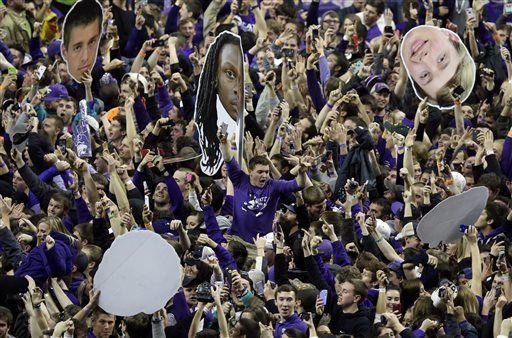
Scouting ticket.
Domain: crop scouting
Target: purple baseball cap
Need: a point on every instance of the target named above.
(325, 248)
(56, 91)
(53, 48)
(396, 207)
(378, 87)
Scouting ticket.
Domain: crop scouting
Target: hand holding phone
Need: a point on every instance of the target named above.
(323, 296)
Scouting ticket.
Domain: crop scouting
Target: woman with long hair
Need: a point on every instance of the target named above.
(54, 254)
(220, 97)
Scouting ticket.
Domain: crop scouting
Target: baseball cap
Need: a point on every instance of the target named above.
(55, 92)
(383, 229)
(396, 266)
(325, 248)
(407, 231)
(396, 207)
(53, 48)
(466, 273)
(378, 87)
(292, 207)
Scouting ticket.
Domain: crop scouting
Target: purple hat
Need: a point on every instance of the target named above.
(55, 92)
(325, 248)
(371, 81)
(396, 207)
(466, 273)
(408, 123)
(53, 48)
(396, 266)
(378, 87)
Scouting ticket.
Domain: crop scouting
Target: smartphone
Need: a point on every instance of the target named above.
(442, 292)
(40, 71)
(143, 153)
(459, 90)
(507, 8)
(326, 156)
(159, 43)
(388, 30)
(266, 65)
(259, 287)
(497, 292)
(470, 14)
(463, 228)
(359, 65)
(501, 255)
(288, 52)
(323, 296)
(224, 128)
(396, 307)
(62, 144)
(475, 135)
(189, 178)
(248, 87)
(169, 124)
(12, 70)
(315, 34)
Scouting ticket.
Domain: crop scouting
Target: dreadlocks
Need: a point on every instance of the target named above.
(206, 112)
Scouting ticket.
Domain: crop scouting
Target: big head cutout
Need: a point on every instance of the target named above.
(220, 99)
(140, 272)
(437, 61)
(81, 37)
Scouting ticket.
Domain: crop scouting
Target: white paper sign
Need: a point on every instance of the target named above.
(442, 224)
(140, 272)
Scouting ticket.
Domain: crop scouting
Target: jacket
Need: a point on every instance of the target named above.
(357, 164)
(41, 263)
(357, 324)
(18, 27)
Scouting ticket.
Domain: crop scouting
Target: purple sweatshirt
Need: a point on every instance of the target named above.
(254, 208)
(294, 322)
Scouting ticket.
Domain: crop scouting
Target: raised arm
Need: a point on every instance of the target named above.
(476, 262)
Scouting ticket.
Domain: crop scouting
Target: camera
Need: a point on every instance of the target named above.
(352, 186)
(288, 52)
(315, 33)
(159, 43)
(203, 293)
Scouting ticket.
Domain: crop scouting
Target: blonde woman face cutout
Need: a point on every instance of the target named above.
(430, 57)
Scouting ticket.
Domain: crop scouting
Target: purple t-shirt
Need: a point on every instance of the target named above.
(254, 208)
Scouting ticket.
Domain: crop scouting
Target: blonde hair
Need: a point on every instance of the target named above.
(464, 76)
(462, 249)
(56, 224)
(467, 300)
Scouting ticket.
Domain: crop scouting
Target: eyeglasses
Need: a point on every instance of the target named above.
(331, 21)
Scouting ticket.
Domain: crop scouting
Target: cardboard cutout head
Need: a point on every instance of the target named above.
(220, 99)
(437, 62)
(81, 37)
(140, 272)
(442, 224)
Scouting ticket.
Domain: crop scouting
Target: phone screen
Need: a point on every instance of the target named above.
(323, 296)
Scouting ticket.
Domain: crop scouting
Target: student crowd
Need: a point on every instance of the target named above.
(314, 234)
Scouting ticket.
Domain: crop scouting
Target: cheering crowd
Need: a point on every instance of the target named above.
(314, 233)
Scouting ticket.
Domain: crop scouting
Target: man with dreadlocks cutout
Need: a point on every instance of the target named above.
(220, 98)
